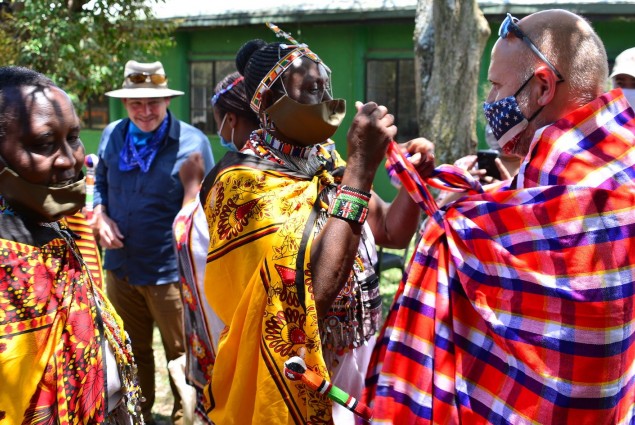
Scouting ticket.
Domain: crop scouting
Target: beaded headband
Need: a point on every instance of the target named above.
(282, 65)
(226, 89)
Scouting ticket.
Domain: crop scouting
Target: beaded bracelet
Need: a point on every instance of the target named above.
(352, 191)
(355, 209)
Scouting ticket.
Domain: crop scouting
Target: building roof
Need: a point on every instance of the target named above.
(197, 13)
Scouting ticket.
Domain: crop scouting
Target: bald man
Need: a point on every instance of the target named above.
(559, 66)
(517, 307)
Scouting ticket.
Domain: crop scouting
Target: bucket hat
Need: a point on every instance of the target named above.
(624, 63)
(144, 80)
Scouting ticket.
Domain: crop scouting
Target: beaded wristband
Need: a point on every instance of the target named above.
(352, 191)
(354, 210)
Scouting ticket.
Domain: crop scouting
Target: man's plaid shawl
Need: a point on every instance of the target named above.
(517, 306)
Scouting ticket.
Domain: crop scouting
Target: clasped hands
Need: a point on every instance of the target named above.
(370, 133)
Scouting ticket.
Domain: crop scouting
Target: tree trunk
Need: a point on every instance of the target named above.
(75, 6)
(449, 36)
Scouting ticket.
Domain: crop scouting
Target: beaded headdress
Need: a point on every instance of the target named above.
(226, 89)
(283, 63)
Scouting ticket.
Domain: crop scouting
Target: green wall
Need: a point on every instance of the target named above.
(344, 47)
(90, 138)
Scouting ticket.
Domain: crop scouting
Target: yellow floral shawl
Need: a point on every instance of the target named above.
(261, 218)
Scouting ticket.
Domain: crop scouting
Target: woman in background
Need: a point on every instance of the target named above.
(235, 121)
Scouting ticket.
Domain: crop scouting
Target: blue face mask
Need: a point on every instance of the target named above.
(629, 94)
(227, 144)
(506, 119)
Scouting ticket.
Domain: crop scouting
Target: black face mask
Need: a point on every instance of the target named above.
(41, 202)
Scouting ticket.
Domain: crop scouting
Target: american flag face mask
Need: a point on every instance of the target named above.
(506, 119)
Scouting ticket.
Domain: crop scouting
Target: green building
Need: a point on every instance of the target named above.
(367, 44)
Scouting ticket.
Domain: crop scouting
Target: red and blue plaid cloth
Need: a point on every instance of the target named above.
(517, 306)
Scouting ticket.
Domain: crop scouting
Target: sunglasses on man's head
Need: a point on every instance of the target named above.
(509, 25)
(142, 77)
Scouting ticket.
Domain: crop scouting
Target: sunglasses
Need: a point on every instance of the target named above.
(142, 77)
(509, 25)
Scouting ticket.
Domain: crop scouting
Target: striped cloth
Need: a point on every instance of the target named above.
(446, 177)
(517, 306)
(87, 245)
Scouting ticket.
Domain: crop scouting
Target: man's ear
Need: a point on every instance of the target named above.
(547, 80)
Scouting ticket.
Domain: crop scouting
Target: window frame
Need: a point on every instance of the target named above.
(398, 59)
(220, 67)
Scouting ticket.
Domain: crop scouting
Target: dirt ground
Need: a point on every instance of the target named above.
(163, 402)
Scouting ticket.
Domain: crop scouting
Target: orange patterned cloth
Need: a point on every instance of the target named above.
(54, 325)
(87, 246)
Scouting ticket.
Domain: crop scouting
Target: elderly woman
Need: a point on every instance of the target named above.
(64, 356)
(290, 266)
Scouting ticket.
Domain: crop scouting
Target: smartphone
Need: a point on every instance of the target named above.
(485, 161)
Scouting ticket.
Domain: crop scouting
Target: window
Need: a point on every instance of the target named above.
(203, 78)
(96, 113)
(391, 82)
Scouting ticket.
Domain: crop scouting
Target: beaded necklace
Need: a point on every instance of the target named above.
(310, 160)
(112, 330)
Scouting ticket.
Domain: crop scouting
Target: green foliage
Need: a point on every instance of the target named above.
(388, 284)
(82, 45)
(390, 279)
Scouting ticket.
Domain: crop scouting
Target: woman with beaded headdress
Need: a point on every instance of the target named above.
(290, 265)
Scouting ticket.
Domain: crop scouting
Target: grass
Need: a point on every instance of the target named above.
(388, 284)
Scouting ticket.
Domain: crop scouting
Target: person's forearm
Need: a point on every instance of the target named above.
(332, 255)
(100, 209)
(393, 225)
(190, 193)
(335, 248)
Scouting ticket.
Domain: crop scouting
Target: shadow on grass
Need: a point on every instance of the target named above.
(160, 419)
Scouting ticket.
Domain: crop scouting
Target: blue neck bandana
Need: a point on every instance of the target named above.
(140, 148)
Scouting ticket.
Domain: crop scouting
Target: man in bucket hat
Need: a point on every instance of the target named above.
(623, 75)
(137, 195)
